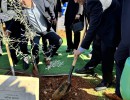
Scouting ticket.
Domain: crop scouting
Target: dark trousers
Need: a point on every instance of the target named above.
(54, 41)
(14, 45)
(105, 54)
(44, 44)
(17, 40)
(96, 54)
(70, 43)
(107, 58)
(54, 26)
(122, 53)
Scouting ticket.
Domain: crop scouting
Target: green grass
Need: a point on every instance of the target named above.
(60, 64)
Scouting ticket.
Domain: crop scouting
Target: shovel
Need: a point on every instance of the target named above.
(65, 86)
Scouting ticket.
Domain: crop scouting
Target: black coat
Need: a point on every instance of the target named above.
(71, 11)
(101, 22)
(125, 24)
(57, 8)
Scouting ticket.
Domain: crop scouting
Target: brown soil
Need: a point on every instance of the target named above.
(48, 85)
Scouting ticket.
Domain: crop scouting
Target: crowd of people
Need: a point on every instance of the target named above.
(108, 32)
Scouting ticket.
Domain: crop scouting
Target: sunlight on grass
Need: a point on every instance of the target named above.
(91, 91)
(69, 56)
(4, 53)
(40, 62)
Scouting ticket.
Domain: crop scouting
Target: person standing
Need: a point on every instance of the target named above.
(15, 33)
(56, 6)
(123, 51)
(101, 18)
(73, 13)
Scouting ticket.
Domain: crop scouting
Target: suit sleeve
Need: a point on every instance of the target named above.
(59, 5)
(95, 14)
(49, 9)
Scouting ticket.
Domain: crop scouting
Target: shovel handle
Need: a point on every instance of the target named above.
(74, 61)
(71, 70)
(8, 51)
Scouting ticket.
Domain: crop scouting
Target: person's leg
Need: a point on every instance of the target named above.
(96, 53)
(55, 41)
(54, 26)
(76, 39)
(69, 39)
(44, 44)
(24, 49)
(94, 61)
(35, 48)
(107, 66)
(107, 63)
(23, 43)
(120, 57)
(13, 46)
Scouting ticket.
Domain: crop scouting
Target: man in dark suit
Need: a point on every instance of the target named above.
(96, 52)
(73, 13)
(15, 33)
(100, 14)
(123, 51)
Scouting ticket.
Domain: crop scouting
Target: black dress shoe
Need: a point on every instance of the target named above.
(85, 71)
(102, 86)
(25, 63)
(69, 50)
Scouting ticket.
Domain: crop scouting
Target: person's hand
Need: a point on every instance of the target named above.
(77, 16)
(59, 14)
(54, 21)
(7, 33)
(76, 53)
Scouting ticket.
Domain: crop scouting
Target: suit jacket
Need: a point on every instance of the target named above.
(100, 14)
(56, 5)
(125, 24)
(71, 11)
(46, 10)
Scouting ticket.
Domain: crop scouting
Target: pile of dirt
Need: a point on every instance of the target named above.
(48, 85)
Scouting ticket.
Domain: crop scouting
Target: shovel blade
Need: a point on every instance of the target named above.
(61, 91)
